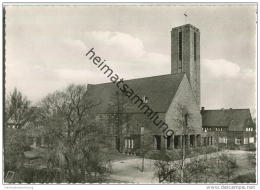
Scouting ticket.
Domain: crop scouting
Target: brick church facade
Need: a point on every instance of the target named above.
(174, 97)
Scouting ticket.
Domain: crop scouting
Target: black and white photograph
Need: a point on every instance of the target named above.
(129, 93)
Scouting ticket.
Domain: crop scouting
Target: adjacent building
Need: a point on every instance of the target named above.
(232, 128)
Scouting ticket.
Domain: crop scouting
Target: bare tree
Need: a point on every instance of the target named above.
(183, 121)
(227, 166)
(17, 110)
(167, 169)
(17, 114)
(118, 117)
(70, 120)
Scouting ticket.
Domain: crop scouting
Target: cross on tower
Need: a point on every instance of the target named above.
(185, 14)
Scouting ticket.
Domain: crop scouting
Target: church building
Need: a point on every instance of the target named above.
(174, 97)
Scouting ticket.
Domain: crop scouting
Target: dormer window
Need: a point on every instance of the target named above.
(249, 129)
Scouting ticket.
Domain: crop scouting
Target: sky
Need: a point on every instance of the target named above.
(46, 47)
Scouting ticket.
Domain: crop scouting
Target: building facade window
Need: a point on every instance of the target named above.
(192, 140)
(251, 140)
(222, 140)
(185, 139)
(180, 46)
(245, 140)
(129, 143)
(238, 141)
(204, 141)
(198, 140)
(168, 143)
(132, 143)
(249, 129)
(219, 129)
(157, 142)
(206, 129)
(225, 140)
(180, 51)
(186, 119)
(126, 143)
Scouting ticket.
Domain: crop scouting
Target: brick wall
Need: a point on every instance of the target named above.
(184, 97)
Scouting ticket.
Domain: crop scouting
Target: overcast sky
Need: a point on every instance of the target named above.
(45, 47)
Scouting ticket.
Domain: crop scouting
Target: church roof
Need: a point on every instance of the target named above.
(159, 90)
(234, 119)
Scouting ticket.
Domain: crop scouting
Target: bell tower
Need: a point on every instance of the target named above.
(185, 55)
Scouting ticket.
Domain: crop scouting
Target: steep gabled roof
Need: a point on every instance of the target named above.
(234, 119)
(159, 90)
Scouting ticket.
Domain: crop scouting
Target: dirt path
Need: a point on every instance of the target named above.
(129, 170)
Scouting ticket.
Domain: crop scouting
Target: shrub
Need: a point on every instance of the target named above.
(248, 178)
(252, 159)
(32, 175)
(252, 147)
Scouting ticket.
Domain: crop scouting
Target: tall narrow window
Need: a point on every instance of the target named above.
(195, 46)
(125, 143)
(192, 140)
(186, 119)
(157, 142)
(129, 143)
(132, 143)
(180, 47)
